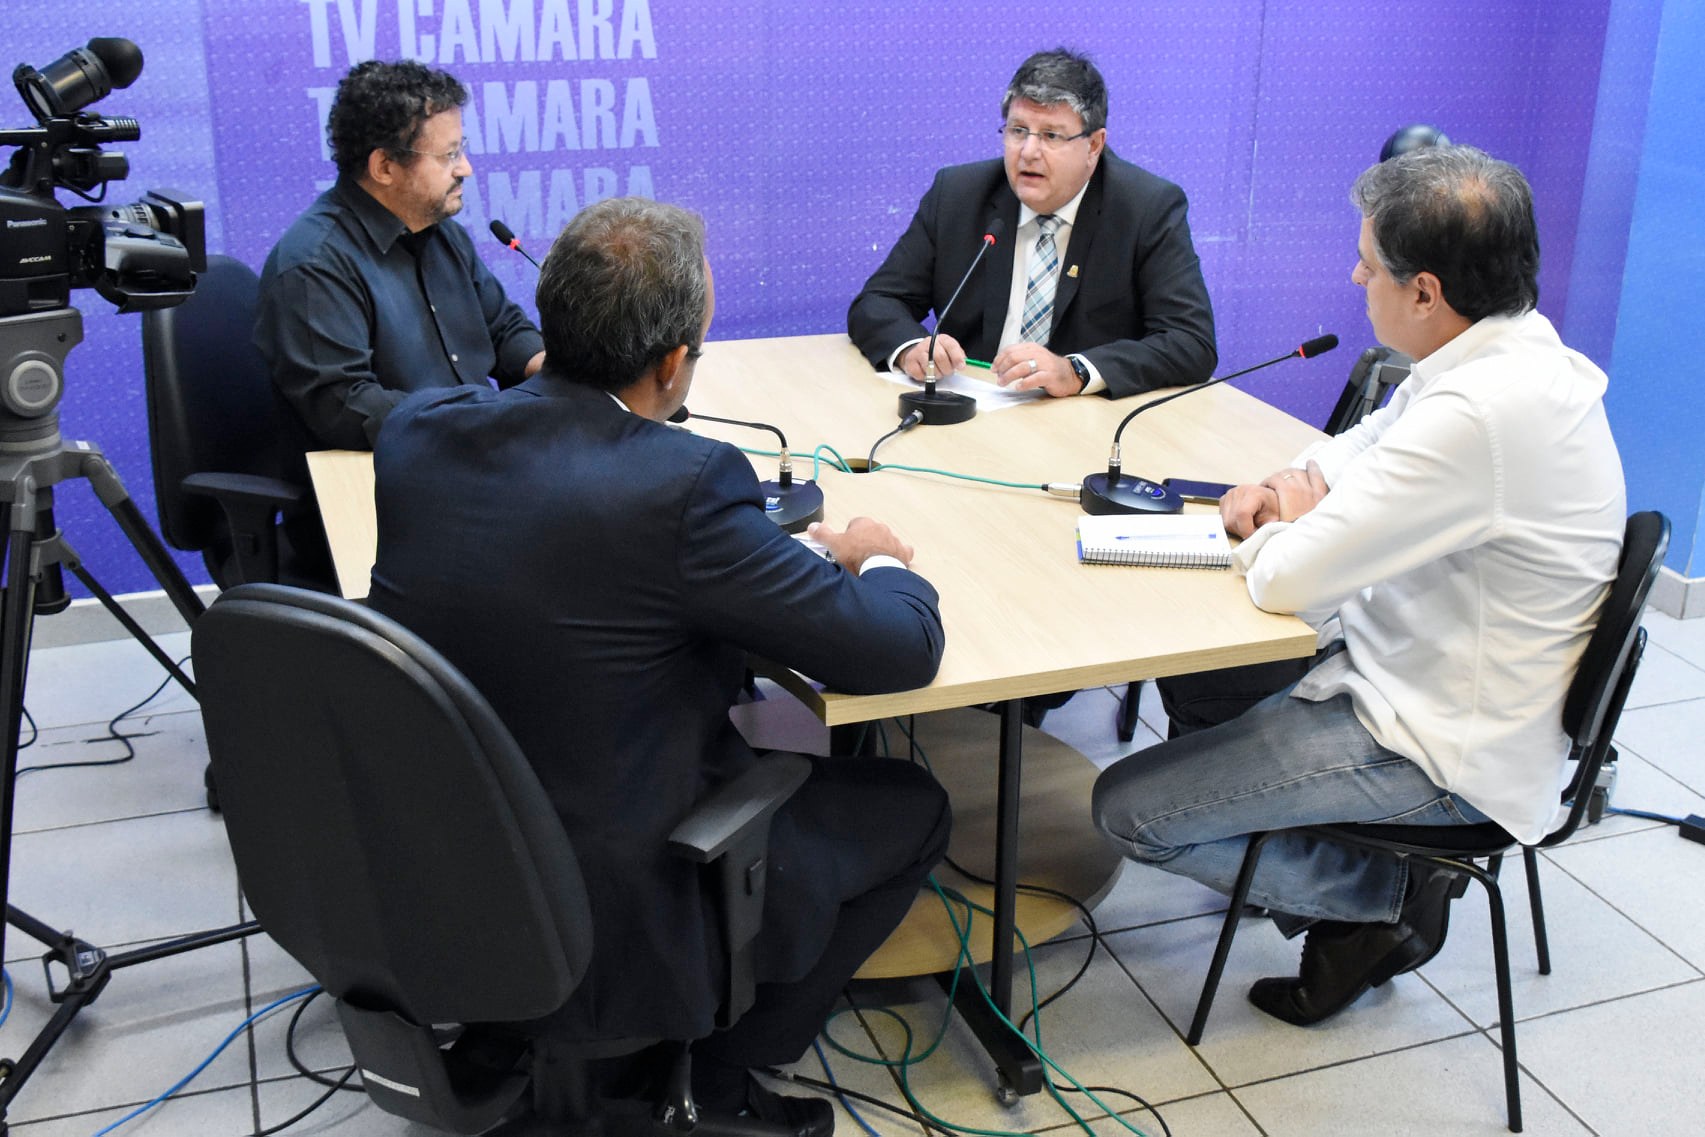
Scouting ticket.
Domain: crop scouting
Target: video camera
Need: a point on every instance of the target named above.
(138, 256)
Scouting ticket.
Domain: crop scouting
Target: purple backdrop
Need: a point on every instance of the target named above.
(805, 136)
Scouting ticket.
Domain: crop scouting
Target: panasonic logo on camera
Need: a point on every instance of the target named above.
(38, 223)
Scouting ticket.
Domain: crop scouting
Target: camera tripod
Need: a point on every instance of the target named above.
(33, 460)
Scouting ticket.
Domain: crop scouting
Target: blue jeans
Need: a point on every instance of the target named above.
(1188, 806)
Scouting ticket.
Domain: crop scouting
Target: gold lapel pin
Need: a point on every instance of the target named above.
(1072, 272)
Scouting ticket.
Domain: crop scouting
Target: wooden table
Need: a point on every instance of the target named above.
(1022, 617)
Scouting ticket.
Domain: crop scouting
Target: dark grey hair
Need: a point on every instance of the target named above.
(623, 286)
(1461, 215)
(1061, 76)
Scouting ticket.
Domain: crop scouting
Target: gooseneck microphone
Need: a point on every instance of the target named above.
(942, 408)
(1116, 492)
(508, 239)
(792, 505)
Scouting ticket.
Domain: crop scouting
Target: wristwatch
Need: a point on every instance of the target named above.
(1080, 369)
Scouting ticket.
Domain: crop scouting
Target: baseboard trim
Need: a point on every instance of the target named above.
(86, 621)
(1680, 596)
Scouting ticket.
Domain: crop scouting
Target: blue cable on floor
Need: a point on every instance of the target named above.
(205, 1062)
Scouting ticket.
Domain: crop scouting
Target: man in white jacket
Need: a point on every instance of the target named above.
(1453, 551)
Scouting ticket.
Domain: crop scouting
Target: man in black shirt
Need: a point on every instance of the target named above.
(374, 292)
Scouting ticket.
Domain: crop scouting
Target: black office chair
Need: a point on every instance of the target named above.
(392, 838)
(222, 478)
(1590, 713)
(1376, 372)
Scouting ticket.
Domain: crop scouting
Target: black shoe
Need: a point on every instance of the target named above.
(805, 1116)
(1340, 962)
(1426, 907)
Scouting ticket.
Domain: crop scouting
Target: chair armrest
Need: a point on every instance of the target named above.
(250, 503)
(246, 489)
(729, 833)
(720, 820)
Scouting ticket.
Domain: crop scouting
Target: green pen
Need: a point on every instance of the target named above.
(979, 363)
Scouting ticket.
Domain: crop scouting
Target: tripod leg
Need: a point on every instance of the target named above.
(15, 617)
(116, 498)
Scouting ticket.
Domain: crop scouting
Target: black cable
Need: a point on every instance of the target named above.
(1165, 1129)
(906, 424)
(1044, 890)
(112, 733)
(296, 1060)
(35, 731)
(898, 1111)
(316, 1104)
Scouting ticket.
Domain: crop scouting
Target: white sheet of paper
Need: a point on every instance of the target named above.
(990, 396)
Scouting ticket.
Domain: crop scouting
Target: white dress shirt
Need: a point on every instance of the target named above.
(1470, 533)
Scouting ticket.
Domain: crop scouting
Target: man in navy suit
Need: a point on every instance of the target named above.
(1101, 289)
(601, 577)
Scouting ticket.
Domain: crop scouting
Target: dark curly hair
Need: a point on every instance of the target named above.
(382, 106)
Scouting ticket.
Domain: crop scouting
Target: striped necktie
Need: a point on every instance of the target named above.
(1039, 289)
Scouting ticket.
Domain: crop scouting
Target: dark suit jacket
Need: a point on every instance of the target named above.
(1137, 308)
(600, 578)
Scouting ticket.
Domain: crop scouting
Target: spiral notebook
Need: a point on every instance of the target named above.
(1158, 540)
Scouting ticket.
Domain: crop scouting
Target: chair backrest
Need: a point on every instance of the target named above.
(1376, 372)
(387, 830)
(210, 400)
(1612, 656)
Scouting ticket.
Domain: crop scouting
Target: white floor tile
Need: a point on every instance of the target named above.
(1243, 1045)
(122, 882)
(1685, 638)
(1654, 878)
(165, 775)
(1664, 677)
(93, 682)
(1584, 933)
(151, 1026)
(223, 1112)
(1440, 1090)
(1628, 1068)
(1669, 737)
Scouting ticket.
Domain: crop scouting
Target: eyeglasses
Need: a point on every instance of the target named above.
(450, 159)
(1017, 136)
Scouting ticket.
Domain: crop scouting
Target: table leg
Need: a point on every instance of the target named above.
(1020, 1070)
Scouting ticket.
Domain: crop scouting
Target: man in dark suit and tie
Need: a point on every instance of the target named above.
(601, 576)
(1101, 291)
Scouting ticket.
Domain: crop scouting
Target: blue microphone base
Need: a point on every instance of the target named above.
(793, 507)
(1126, 494)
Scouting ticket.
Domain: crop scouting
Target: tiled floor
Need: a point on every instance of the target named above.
(1609, 1043)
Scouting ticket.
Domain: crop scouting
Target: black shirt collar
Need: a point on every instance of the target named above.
(382, 226)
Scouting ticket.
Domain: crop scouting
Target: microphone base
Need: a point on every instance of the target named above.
(1127, 494)
(792, 508)
(938, 408)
